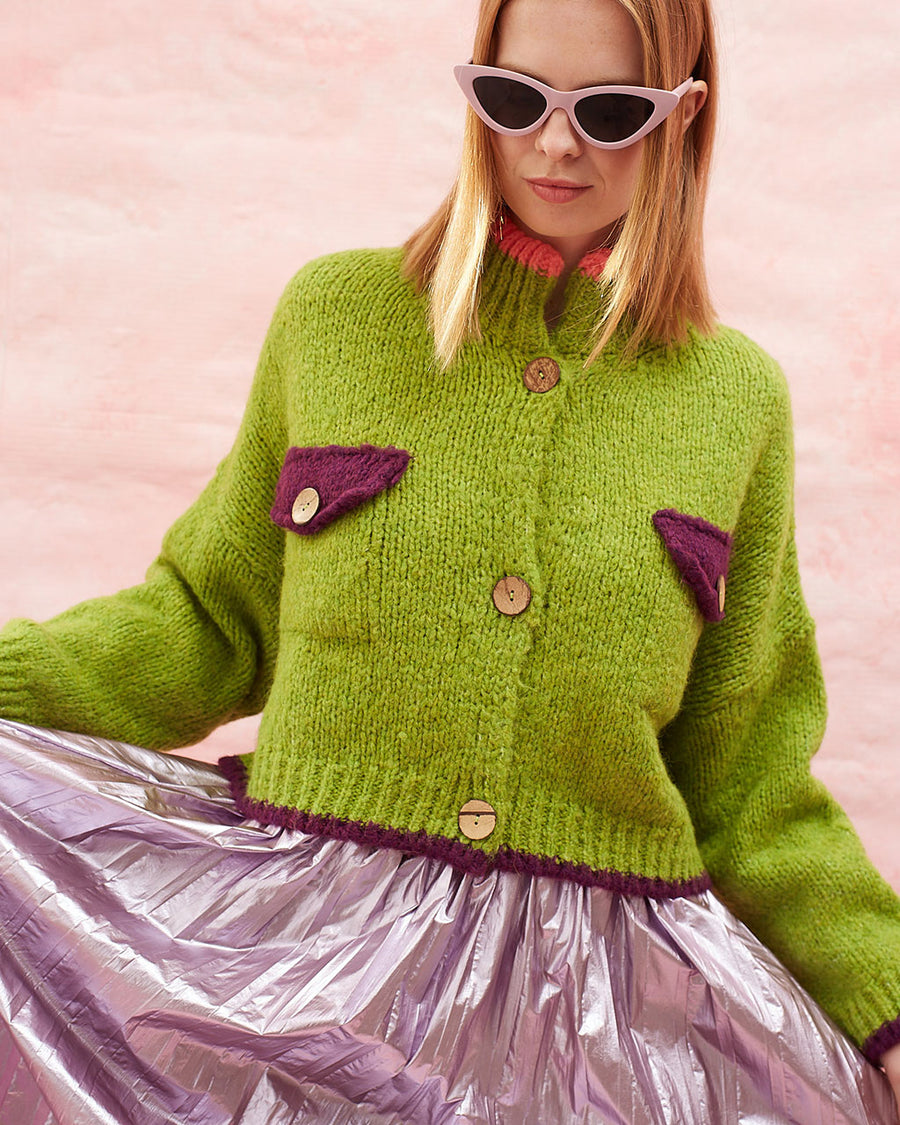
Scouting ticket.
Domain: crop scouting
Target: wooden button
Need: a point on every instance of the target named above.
(541, 375)
(305, 506)
(477, 820)
(512, 595)
(720, 586)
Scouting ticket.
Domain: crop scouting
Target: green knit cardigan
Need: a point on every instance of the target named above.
(644, 722)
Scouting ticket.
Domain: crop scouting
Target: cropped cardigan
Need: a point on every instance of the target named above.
(568, 594)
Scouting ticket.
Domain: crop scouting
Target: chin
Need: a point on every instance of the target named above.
(557, 226)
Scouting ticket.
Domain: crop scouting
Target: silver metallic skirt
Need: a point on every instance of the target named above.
(166, 961)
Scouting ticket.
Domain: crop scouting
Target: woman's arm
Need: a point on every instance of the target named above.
(161, 664)
(780, 850)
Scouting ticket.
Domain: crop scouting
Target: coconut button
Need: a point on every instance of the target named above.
(477, 820)
(512, 595)
(720, 589)
(541, 375)
(305, 506)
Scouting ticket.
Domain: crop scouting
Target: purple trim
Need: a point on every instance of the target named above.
(344, 477)
(461, 856)
(887, 1036)
(701, 551)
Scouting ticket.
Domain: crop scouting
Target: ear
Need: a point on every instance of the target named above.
(692, 102)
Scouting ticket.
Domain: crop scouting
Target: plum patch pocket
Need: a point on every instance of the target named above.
(319, 483)
(700, 551)
(332, 498)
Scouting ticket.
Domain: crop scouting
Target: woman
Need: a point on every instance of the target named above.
(535, 669)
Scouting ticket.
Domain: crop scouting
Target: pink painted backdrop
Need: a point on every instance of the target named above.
(166, 167)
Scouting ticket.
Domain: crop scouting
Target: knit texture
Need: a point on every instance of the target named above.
(613, 728)
(455, 853)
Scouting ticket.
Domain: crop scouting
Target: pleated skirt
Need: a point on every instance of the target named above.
(165, 960)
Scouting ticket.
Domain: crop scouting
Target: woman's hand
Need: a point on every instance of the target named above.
(890, 1060)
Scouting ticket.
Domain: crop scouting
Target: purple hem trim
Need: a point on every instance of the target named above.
(887, 1036)
(471, 861)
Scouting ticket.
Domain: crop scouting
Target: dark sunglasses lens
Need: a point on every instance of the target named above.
(613, 117)
(509, 103)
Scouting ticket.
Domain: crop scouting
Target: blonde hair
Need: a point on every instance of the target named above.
(655, 281)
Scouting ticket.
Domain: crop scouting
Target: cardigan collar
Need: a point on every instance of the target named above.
(519, 274)
(540, 256)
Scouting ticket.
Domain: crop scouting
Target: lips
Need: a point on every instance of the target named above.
(557, 191)
(571, 184)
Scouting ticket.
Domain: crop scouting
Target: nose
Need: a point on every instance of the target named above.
(557, 137)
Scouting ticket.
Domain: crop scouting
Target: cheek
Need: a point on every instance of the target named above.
(507, 152)
(619, 169)
(633, 162)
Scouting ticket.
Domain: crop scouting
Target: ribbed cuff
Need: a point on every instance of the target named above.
(17, 703)
(887, 1036)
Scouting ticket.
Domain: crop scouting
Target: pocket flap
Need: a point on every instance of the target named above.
(700, 551)
(319, 483)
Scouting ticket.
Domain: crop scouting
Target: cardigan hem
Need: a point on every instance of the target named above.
(887, 1036)
(456, 854)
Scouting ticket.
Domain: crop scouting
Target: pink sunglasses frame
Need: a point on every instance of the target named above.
(664, 102)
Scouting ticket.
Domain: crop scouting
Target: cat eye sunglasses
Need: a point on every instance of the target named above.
(605, 116)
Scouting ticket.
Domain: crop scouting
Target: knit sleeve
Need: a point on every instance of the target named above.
(781, 852)
(163, 663)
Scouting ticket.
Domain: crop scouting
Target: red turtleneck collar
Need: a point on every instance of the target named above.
(541, 256)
